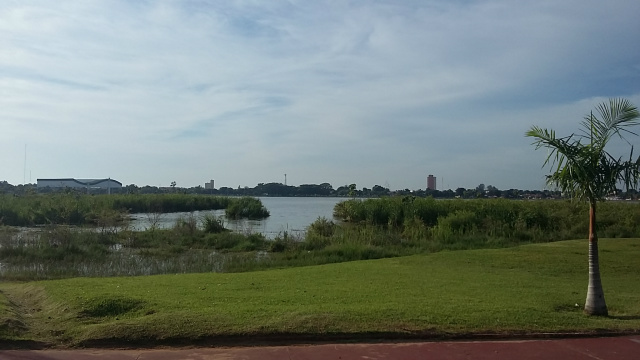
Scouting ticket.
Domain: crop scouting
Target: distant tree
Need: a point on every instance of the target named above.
(419, 193)
(433, 193)
(324, 189)
(448, 194)
(225, 190)
(327, 189)
(5, 187)
(582, 168)
(272, 189)
(342, 191)
(511, 194)
(493, 191)
(378, 190)
(352, 190)
(149, 190)
(470, 193)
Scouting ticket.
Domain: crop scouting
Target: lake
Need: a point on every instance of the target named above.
(290, 214)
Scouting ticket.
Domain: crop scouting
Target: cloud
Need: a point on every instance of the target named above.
(342, 92)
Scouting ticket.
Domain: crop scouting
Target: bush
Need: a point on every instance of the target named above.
(283, 243)
(414, 228)
(459, 222)
(186, 226)
(246, 207)
(322, 227)
(314, 241)
(229, 241)
(213, 225)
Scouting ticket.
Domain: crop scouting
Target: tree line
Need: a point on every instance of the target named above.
(311, 190)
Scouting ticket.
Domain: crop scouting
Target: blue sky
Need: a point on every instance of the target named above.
(365, 92)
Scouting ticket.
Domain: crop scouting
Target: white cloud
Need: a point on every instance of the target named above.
(365, 92)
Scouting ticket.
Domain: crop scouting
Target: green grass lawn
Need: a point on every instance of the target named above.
(528, 289)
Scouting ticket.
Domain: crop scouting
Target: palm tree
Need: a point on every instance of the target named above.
(583, 169)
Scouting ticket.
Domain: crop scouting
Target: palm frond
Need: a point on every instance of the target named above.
(586, 170)
(617, 117)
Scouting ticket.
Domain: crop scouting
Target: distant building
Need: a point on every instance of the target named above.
(79, 183)
(431, 182)
(209, 185)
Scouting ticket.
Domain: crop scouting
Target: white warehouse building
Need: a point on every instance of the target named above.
(79, 183)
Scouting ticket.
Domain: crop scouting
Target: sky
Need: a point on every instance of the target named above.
(243, 92)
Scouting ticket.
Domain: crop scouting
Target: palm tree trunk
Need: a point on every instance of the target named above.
(595, 304)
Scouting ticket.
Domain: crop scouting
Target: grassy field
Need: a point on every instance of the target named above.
(536, 288)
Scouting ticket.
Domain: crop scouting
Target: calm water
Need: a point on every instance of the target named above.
(290, 214)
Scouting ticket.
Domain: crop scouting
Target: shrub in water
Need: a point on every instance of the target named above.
(186, 226)
(213, 225)
(246, 207)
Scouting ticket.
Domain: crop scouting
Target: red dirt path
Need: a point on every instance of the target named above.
(610, 348)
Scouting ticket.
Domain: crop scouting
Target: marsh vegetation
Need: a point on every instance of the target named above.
(98, 210)
(365, 229)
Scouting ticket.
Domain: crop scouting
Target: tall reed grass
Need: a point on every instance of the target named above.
(78, 209)
(545, 220)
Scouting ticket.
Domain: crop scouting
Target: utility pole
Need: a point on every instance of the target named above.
(24, 171)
